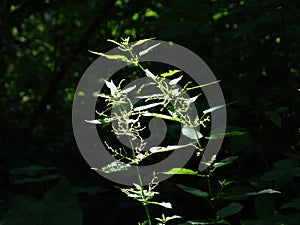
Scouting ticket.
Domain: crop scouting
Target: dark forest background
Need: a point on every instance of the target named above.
(251, 46)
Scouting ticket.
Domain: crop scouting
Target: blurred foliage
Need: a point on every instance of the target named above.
(253, 48)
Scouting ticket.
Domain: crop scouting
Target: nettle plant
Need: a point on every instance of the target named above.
(170, 103)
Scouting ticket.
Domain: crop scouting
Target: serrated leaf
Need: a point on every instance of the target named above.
(194, 191)
(182, 171)
(231, 209)
(191, 133)
(115, 57)
(113, 167)
(148, 49)
(117, 43)
(141, 42)
(170, 73)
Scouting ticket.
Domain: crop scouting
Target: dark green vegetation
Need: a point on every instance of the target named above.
(252, 47)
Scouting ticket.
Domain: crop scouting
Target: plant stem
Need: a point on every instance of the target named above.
(142, 190)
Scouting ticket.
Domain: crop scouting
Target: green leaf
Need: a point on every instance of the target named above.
(228, 196)
(175, 81)
(213, 109)
(166, 149)
(93, 190)
(93, 121)
(115, 57)
(36, 179)
(141, 108)
(203, 85)
(264, 206)
(161, 116)
(231, 209)
(167, 205)
(273, 175)
(194, 191)
(275, 118)
(191, 133)
(182, 171)
(141, 42)
(57, 207)
(148, 49)
(117, 43)
(226, 134)
(294, 204)
(32, 170)
(170, 73)
(225, 162)
(284, 164)
(116, 166)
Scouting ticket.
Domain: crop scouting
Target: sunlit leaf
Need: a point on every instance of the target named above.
(166, 149)
(127, 90)
(203, 85)
(141, 42)
(213, 109)
(170, 73)
(149, 74)
(141, 108)
(93, 121)
(148, 49)
(113, 167)
(191, 133)
(116, 57)
(182, 171)
(175, 81)
(161, 116)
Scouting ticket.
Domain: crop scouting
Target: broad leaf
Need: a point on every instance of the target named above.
(182, 171)
(57, 207)
(191, 133)
(194, 191)
(231, 209)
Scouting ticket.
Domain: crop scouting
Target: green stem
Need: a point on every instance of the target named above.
(143, 195)
(142, 187)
